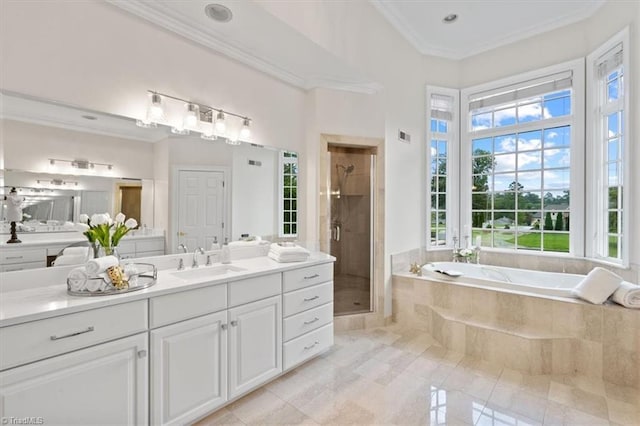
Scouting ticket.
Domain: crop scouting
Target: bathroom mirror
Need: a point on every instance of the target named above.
(43, 139)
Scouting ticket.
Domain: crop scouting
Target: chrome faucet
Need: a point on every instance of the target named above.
(183, 248)
(195, 257)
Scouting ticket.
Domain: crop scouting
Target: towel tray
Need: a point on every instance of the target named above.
(147, 276)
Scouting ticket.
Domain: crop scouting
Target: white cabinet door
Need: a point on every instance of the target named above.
(189, 369)
(255, 344)
(103, 384)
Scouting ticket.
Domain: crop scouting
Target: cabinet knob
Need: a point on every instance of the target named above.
(234, 323)
(142, 354)
(223, 326)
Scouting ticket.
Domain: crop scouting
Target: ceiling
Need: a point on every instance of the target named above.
(481, 25)
(256, 38)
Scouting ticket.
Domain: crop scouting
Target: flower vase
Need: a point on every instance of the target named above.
(108, 251)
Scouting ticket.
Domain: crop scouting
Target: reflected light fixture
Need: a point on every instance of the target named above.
(245, 131)
(186, 116)
(221, 126)
(80, 163)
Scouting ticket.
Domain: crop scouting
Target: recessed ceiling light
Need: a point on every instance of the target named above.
(218, 12)
(450, 18)
(89, 117)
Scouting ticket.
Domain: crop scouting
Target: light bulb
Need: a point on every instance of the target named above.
(192, 116)
(155, 111)
(221, 126)
(245, 131)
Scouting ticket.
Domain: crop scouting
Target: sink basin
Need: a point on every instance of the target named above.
(206, 272)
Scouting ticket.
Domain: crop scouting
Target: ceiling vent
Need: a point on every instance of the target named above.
(218, 12)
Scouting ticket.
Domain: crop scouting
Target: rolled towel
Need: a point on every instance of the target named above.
(597, 286)
(627, 295)
(75, 259)
(101, 264)
(95, 284)
(75, 251)
(77, 279)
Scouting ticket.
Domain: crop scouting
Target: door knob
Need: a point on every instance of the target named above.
(181, 234)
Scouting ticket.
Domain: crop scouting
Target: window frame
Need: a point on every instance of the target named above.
(596, 200)
(453, 167)
(577, 153)
(282, 161)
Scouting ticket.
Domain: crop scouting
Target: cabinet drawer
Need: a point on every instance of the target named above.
(22, 256)
(252, 289)
(180, 306)
(150, 245)
(308, 345)
(307, 298)
(307, 321)
(35, 340)
(305, 277)
(22, 266)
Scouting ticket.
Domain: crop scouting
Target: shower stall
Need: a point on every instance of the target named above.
(351, 206)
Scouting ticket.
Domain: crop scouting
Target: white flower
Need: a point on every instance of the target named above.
(99, 219)
(83, 218)
(120, 218)
(82, 227)
(466, 252)
(131, 223)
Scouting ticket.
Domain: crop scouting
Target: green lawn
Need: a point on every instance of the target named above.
(552, 242)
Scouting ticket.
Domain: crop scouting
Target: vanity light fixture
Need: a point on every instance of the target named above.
(57, 182)
(245, 131)
(210, 122)
(231, 141)
(80, 163)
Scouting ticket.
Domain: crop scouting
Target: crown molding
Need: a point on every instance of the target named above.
(159, 14)
(404, 28)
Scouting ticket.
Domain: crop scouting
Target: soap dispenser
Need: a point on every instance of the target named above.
(214, 244)
(225, 256)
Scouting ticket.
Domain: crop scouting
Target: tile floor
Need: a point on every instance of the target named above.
(351, 294)
(398, 376)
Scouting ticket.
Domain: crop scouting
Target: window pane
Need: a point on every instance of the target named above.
(530, 112)
(613, 222)
(530, 201)
(557, 107)
(442, 126)
(556, 242)
(613, 174)
(529, 160)
(442, 148)
(505, 117)
(480, 219)
(504, 201)
(529, 180)
(613, 150)
(504, 238)
(613, 246)
(612, 125)
(557, 136)
(556, 179)
(481, 121)
(613, 197)
(529, 240)
(480, 201)
(505, 162)
(612, 90)
(502, 182)
(434, 125)
(506, 143)
(557, 158)
(442, 202)
(482, 146)
(530, 140)
(480, 183)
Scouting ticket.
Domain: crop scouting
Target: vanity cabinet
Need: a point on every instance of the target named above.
(188, 369)
(255, 344)
(104, 384)
(18, 259)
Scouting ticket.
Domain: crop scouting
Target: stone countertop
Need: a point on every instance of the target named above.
(44, 293)
(36, 240)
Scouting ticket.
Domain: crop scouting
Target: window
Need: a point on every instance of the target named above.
(289, 194)
(608, 72)
(522, 160)
(442, 151)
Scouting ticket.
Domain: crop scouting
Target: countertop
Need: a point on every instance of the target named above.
(43, 239)
(44, 294)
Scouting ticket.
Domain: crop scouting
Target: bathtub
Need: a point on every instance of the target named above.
(538, 282)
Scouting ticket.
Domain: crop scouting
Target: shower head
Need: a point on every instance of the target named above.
(347, 169)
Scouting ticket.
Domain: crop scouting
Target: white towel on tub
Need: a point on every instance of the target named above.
(627, 295)
(597, 286)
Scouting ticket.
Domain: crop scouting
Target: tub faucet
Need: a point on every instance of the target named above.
(455, 253)
(195, 257)
(476, 254)
(183, 248)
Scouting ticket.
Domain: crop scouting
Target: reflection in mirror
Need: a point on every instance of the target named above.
(134, 169)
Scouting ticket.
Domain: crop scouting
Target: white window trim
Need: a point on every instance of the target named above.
(453, 168)
(593, 159)
(576, 239)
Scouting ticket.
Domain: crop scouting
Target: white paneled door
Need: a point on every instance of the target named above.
(201, 209)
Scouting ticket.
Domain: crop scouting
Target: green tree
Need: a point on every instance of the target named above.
(548, 222)
(482, 164)
(559, 222)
